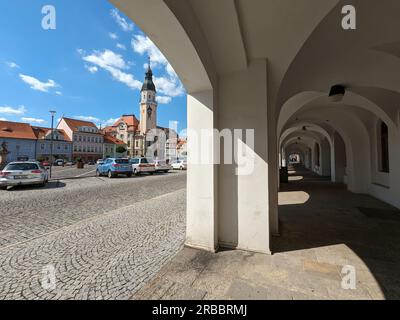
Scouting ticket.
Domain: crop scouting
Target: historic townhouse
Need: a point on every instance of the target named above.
(19, 140)
(86, 138)
(182, 148)
(111, 147)
(126, 129)
(62, 144)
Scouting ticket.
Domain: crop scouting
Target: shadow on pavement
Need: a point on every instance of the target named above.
(49, 185)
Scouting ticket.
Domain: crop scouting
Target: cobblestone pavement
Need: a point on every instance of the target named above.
(104, 238)
(72, 171)
(329, 238)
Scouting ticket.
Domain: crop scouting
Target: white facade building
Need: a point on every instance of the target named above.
(86, 138)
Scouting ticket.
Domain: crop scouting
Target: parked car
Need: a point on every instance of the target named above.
(59, 162)
(23, 173)
(142, 165)
(46, 164)
(162, 166)
(115, 167)
(91, 163)
(100, 162)
(179, 165)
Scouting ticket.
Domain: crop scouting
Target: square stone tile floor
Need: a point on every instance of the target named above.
(323, 229)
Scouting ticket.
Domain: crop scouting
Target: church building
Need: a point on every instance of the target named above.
(133, 131)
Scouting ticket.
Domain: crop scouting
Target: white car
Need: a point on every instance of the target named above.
(23, 173)
(179, 165)
(142, 165)
(162, 166)
(59, 162)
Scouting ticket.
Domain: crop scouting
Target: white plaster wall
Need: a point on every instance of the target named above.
(243, 199)
(326, 160)
(340, 158)
(386, 186)
(202, 184)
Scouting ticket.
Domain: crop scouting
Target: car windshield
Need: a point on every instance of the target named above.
(122, 161)
(144, 160)
(21, 167)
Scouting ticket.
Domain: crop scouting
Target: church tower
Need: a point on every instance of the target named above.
(148, 103)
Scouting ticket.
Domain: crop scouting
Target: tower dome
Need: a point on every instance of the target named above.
(148, 84)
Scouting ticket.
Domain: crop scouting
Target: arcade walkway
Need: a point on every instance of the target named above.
(323, 228)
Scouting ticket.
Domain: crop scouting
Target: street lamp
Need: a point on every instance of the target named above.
(53, 113)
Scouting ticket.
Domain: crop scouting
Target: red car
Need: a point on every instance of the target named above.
(46, 164)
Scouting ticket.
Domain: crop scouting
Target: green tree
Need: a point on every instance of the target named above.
(120, 149)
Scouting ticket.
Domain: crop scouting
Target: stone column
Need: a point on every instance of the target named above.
(202, 173)
(243, 194)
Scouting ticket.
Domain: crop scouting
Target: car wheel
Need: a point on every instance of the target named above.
(110, 175)
(166, 171)
(3, 188)
(98, 173)
(135, 172)
(129, 175)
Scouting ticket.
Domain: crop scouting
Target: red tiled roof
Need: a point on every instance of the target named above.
(181, 143)
(41, 132)
(75, 124)
(112, 140)
(109, 130)
(130, 120)
(16, 130)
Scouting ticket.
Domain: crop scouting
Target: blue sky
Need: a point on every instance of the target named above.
(91, 67)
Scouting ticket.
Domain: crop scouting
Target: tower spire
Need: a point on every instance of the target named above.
(148, 84)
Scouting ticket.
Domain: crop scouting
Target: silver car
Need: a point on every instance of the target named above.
(23, 173)
(162, 166)
(179, 165)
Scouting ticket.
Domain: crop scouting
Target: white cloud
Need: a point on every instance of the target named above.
(87, 118)
(34, 120)
(113, 36)
(59, 93)
(97, 121)
(169, 85)
(3, 119)
(105, 59)
(114, 64)
(163, 99)
(109, 122)
(12, 65)
(121, 46)
(122, 22)
(92, 69)
(13, 111)
(143, 45)
(36, 84)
